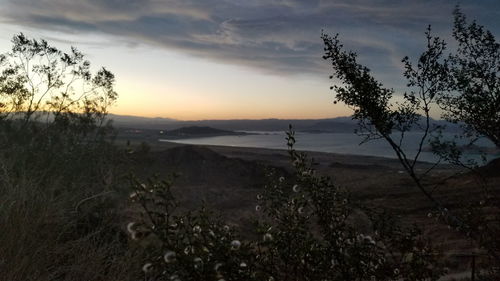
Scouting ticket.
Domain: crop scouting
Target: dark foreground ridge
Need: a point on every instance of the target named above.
(198, 132)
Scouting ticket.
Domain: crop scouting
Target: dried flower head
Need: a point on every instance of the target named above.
(235, 244)
(169, 256)
(147, 267)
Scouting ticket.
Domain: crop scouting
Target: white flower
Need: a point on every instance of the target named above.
(243, 264)
(396, 271)
(295, 188)
(370, 240)
(188, 249)
(197, 263)
(130, 227)
(133, 195)
(226, 228)
(257, 208)
(169, 256)
(268, 237)
(259, 196)
(197, 229)
(217, 266)
(235, 245)
(300, 210)
(147, 267)
(281, 179)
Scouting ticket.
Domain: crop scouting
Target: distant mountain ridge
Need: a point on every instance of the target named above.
(197, 132)
(342, 124)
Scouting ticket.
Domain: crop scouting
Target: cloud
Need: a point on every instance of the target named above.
(278, 36)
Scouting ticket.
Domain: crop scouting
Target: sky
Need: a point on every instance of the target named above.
(235, 59)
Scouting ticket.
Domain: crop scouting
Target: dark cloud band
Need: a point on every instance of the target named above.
(280, 36)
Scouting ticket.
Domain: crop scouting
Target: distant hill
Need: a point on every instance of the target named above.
(198, 132)
(145, 123)
(343, 124)
(140, 122)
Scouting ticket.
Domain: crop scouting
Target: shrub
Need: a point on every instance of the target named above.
(304, 231)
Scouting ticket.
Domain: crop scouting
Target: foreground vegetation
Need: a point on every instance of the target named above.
(72, 208)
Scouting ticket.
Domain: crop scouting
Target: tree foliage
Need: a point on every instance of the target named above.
(474, 96)
(40, 84)
(464, 84)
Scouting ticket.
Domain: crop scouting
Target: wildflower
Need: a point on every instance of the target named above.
(197, 229)
(235, 245)
(217, 266)
(133, 195)
(429, 215)
(188, 249)
(147, 267)
(226, 228)
(281, 179)
(197, 262)
(243, 264)
(396, 271)
(268, 237)
(300, 210)
(169, 256)
(257, 208)
(369, 239)
(130, 227)
(259, 196)
(295, 188)
(143, 185)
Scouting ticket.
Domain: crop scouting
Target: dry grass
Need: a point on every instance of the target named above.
(43, 237)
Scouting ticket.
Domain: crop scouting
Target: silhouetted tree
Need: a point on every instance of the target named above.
(41, 84)
(474, 96)
(465, 84)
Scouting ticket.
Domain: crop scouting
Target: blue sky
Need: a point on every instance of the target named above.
(211, 59)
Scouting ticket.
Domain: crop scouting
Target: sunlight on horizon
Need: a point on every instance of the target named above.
(154, 82)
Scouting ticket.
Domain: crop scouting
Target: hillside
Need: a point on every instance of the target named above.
(197, 132)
